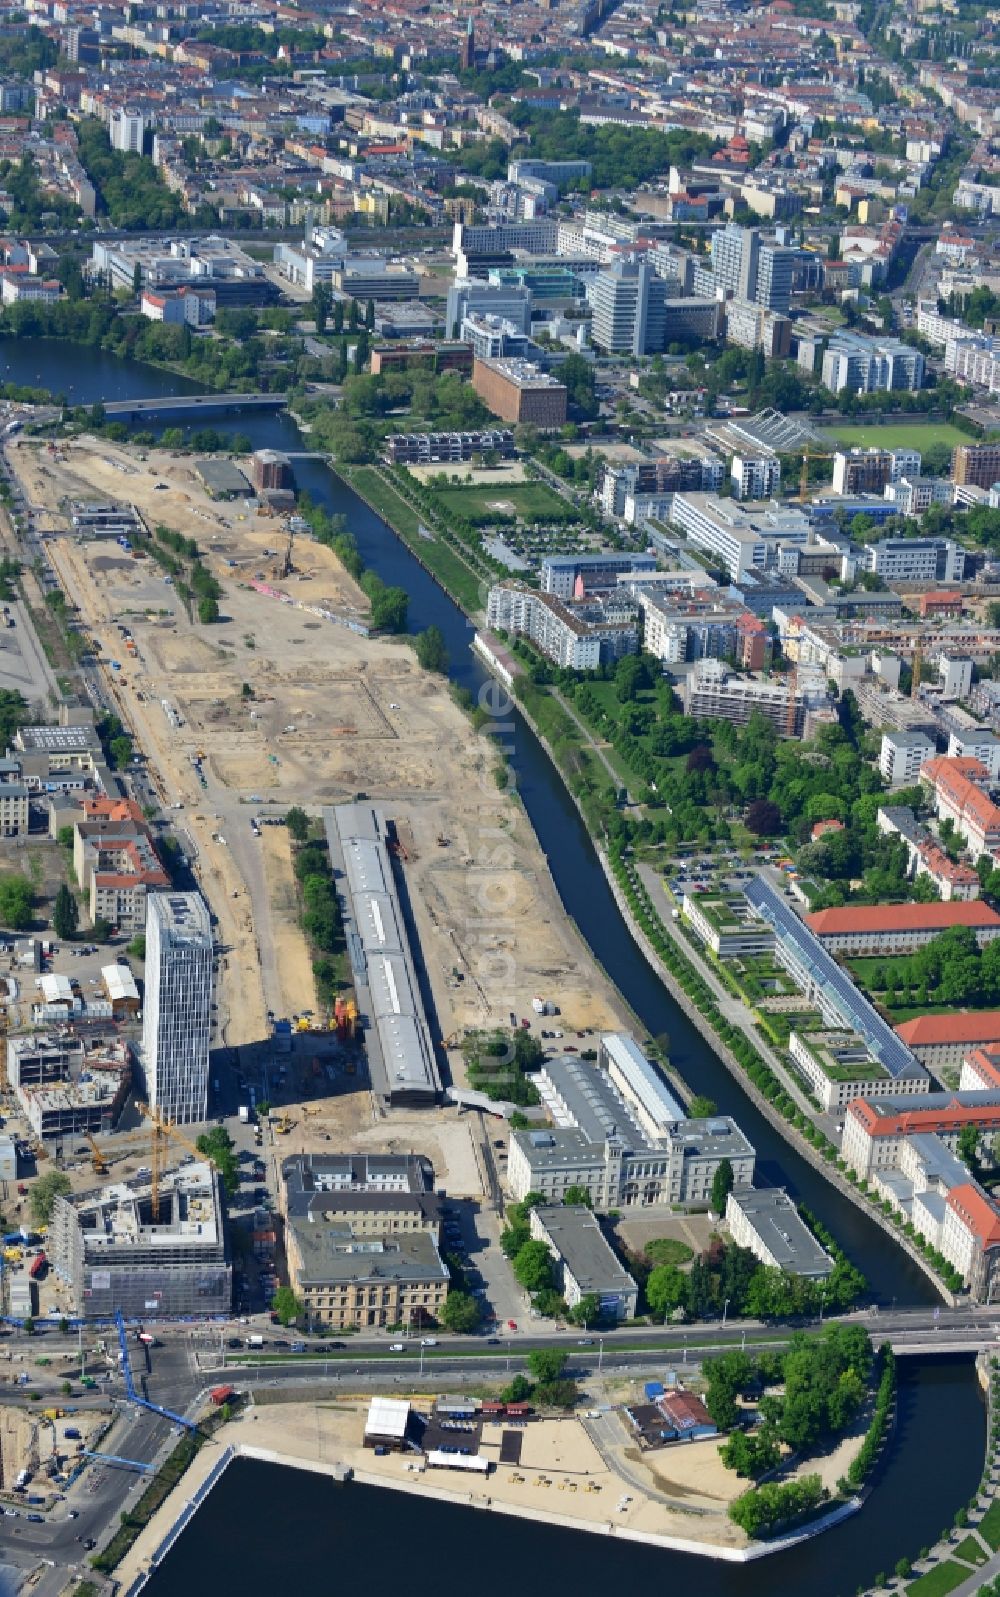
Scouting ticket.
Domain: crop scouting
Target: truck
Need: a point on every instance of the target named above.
(38, 1267)
(222, 1394)
(254, 1341)
(244, 1114)
(72, 1434)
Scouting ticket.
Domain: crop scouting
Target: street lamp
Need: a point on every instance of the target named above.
(600, 1353)
(725, 1311)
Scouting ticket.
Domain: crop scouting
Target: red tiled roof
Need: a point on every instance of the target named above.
(908, 1122)
(979, 1214)
(901, 918)
(926, 1030)
(987, 1065)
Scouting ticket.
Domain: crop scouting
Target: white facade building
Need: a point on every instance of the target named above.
(178, 1005)
(901, 756)
(756, 476)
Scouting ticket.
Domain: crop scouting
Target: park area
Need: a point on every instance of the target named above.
(486, 503)
(897, 435)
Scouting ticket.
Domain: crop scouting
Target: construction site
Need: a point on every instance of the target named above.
(285, 701)
(40, 1451)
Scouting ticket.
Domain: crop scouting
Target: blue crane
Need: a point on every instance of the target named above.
(130, 1391)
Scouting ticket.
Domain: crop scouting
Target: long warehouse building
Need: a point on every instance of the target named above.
(400, 1052)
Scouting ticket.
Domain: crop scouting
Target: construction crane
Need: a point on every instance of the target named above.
(98, 1161)
(283, 567)
(918, 667)
(162, 1128)
(809, 455)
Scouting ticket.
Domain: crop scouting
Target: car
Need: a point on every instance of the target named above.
(74, 1513)
(585, 1341)
(512, 1325)
(428, 1341)
(492, 1341)
(36, 1519)
(90, 1543)
(234, 1341)
(397, 1347)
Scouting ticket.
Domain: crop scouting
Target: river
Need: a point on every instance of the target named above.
(946, 1391)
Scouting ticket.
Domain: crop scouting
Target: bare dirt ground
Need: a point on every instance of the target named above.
(509, 472)
(289, 708)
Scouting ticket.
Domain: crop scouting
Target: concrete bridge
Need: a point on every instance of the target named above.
(192, 405)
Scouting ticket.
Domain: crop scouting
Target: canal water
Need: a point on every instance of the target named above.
(302, 1524)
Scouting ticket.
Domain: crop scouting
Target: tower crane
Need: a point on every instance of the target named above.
(809, 455)
(162, 1128)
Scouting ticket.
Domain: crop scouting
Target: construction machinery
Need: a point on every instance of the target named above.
(809, 455)
(162, 1129)
(345, 1017)
(284, 567)
(283, 1126)
(98, 1163)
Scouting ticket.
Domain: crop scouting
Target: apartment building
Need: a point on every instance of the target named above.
(976, 743)
(756, 476)
(573, 576)
(976, 465)
(426, 449)
(712, 691)
(116, 863)
(177, 1017)
(578, 634)
(926, 857)
(901, 756)
(867, 471)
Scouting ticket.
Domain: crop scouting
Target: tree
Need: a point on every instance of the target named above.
(702, 1108)
(120, 749)
(430, 649)
(286, 1305)
(297, 822)
(459, 1312)
(578, 1195)
(65, 913)
(16, 899)
(557, 1394)
(547, 1363)
(101, 930)
(52, 1185)
(137, 947)
(666, 1290)
(518, 1391)
(217, 1145)
(722, 1186)
(208, 609)
(533, 1266)
(587, 1312)
(763, 817)
(321, 308)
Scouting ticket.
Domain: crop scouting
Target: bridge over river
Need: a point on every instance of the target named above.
(192, 405)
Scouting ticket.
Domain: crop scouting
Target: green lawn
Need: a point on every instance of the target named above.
(451, 571)
(970, 1551)
(897, 435)
(939, 1580)
(531, 501)
(989, 1525)
(668, 1250)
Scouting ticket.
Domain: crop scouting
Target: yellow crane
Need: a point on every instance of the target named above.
(98, 1161)
(809, 455)
(162, 1128)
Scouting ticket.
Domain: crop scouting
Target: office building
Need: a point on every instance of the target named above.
(901, 756)
(573, 576)
(64, 1086)
(401, 1060)
(942, 1041)
(596, 1141)
(362, 1234)
(517, 391)
(271, 471)
(628, 304)
(751, 326)
(914, 560)
(116, 863)
(867, 471)
(957, 788)
(474, 297)
(177, 1017)
(857, 930)
(765, 1220)
(117, 1254)
(749, 268)
(828, 988)
(585, 1264)
(976, 465)
(955, 672)
(725, 925)
(839, 1066)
